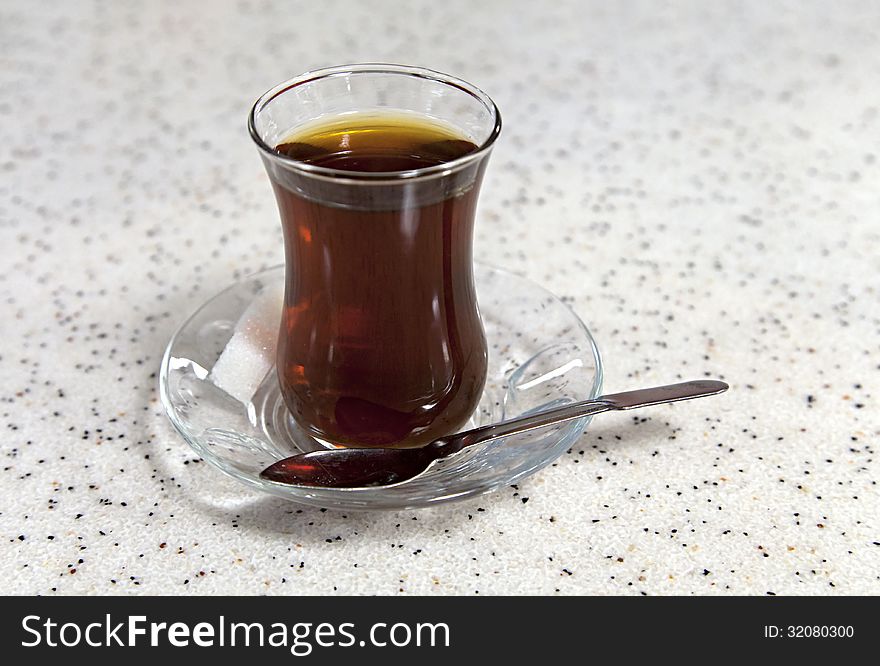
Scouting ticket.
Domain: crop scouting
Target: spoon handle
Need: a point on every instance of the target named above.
(627, 400)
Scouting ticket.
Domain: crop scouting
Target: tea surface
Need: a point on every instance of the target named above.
(377, 143)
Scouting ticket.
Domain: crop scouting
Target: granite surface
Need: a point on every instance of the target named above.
(699, 180)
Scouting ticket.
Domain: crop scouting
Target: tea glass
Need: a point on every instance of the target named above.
(381, 341)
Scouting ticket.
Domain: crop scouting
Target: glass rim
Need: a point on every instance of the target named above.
(443, 169)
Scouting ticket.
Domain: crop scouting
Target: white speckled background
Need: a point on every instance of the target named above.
(700, 180)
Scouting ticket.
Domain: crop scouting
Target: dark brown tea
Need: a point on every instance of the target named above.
(381, 341)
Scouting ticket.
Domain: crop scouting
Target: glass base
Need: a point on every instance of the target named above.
(540, 356)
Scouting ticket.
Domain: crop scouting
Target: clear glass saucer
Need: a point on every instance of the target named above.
(541, 355)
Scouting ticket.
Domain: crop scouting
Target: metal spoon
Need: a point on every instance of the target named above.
(358, 468)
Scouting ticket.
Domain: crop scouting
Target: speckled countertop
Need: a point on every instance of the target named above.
(700, 180)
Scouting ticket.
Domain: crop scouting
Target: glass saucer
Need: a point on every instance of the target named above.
(541, 355)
